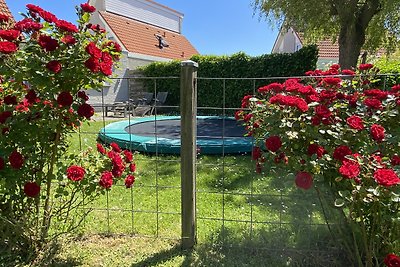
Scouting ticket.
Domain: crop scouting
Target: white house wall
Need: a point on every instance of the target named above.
(147, 12)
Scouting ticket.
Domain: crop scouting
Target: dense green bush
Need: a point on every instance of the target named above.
(391, 68)
(227, 92)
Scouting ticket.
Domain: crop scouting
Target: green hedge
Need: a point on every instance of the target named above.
(211, 91)
(392, 69)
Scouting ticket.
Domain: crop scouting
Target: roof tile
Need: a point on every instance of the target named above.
(139, 37)
(4, 9)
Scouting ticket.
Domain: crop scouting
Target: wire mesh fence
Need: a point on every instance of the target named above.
(235, 206)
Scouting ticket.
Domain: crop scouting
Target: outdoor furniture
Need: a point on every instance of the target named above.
(142, 106)
(159, 101)
(119, 109)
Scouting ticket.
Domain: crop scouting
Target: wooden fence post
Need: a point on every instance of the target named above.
(188, 152)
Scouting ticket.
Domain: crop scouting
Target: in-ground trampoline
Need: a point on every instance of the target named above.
(215, 135)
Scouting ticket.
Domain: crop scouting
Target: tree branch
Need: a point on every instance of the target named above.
(367, 11)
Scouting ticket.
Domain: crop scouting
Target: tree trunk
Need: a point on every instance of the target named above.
(351, 39)
(354, 18)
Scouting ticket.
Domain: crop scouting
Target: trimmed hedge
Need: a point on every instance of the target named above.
(211, 91)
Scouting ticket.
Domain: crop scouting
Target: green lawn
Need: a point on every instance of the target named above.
(243, 218)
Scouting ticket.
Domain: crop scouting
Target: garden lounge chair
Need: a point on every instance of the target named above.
(159, 101)
(143, 105)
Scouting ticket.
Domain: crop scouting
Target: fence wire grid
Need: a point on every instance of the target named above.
(235, 206)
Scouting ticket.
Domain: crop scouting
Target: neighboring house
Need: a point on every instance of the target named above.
(147, 32)
(289, 41)
(4, 9)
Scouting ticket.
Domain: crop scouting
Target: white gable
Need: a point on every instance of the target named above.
(287, 42)
(146, 11)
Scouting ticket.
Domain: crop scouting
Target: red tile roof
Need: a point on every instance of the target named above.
(4, 9)
(327, 48)
(139, 37)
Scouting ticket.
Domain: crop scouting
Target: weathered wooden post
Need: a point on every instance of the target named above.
(188, 152)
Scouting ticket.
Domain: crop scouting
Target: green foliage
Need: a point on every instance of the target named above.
(349, 20)
(211, 91)
(336, 131)
(392, 69)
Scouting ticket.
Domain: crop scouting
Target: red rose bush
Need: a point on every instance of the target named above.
(45, 66)
(337, 128)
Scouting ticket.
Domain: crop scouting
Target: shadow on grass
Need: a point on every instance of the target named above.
(227, 247)
(47, 257)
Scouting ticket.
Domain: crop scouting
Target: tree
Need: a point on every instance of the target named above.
(355, 24)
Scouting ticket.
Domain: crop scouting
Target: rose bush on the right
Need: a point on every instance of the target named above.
(335, 127)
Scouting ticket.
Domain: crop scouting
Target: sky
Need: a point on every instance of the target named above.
(214, 27)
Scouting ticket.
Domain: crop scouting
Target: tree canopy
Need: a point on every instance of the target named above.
(355, 24)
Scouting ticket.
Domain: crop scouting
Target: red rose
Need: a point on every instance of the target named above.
(304, 180)
(4, 116)
(82, 95)
(93, 50)
(66, 26)
(395, 160)
(276, 87)
(256, 153)
(392, 260)
(333, 81)
(341, 152)
(106, 180)
(117, 170)
(129, 180)
(386, 177)
(377, 132)
(68, 39)
(273, 143)
(47, 43)
(48, 16)
(348, 72)
(113, 46)
(28, 25)
(31, 97)
(10, 100)
(54, 66)
(33, 8)
(101, 149)
(365, 66)
(16, 160)
(322, 111)
(2, 163)
(106, 68)
(65, 99)
(132, 167)
(10, 35)
(8, 47)
(75, 173)
(373, 103)
(316, 149)
(85, 110)
(395, 88)
(128, 156)
(355, 122)
(376, 93)
(88, 8)
(115, 147)
(93, 64)
(31, 189)
(349, 169)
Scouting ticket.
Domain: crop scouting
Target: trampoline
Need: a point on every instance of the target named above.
(161, 134)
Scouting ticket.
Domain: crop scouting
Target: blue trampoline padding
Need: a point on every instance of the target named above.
(116, 132)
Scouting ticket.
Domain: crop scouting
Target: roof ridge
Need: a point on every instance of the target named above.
(140, 21)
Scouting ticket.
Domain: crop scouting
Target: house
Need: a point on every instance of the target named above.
(147, 32)
(289, 41)
(4, 9)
